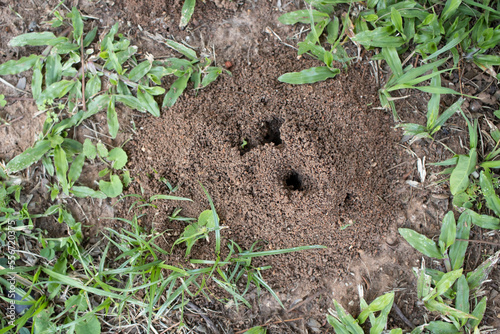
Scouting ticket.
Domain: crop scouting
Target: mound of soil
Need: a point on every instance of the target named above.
(314, 169)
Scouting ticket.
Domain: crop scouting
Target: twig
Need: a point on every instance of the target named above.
(480, 242)
(402, 316)
(271, 323)
(308, 299)
(12, 86)
(9, 123)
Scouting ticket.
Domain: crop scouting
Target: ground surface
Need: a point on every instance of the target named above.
(322, 165)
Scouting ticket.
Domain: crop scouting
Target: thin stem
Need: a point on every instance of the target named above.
(481, 242)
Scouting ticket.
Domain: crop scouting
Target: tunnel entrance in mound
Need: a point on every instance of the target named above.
(292, 170)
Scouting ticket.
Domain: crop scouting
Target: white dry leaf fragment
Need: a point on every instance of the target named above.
(413, 184)
(421, 169)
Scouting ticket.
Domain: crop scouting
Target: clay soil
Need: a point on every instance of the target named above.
(322, 164)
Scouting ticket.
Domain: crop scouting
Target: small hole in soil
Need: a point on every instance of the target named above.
(273, 134)
(294, 181)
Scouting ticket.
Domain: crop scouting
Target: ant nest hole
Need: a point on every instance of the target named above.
(294, 181)
(273, 134)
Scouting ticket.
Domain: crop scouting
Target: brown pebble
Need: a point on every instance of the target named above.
(228, 64)
(475, 106)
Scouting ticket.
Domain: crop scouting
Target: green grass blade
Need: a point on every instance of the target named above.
(311, 75)
(216, 220)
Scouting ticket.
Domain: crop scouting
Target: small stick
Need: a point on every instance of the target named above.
(402, 316)
(12, 86)
(271, 323)
(481, 242)
(9, 123)
(308, 299)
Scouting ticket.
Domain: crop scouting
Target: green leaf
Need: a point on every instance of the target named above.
(97, 104)
(36, 39)
(397, 20)
(423, 282)
(455, 107)
(378, 304)
(256, 330)
(459, 179)
(212, 73)
(84, 192)
(311, 75)
(112, 188)
(190, 53)
(89, 149)
(448, 232)
(458, 249)
(441, 327)
(450, 45)
(391, 56)
(421, 243)
(53, 69)
(56, 90)
(206, 218)
(434, 305)
(484, 221)
(89, 37)
(112, 117)
(28, 157)
(169, 197)
(347, 319)
(42, 323)
(88, 325)
(76, 302)
(486, 184)
(114, 62)
(478, 313)
(18, 66)
(36, 80)
(186, 12)
(102, 150)
(61, 163)
(379, 37)
(338, 327)
(444, 284)
(333, 30)
(77, 22)
(481, 273)
(76, 168)
(176, 90)
(119, 157)
(303, 16)
(138, 72)
(462, 298)
(47, 163)
(148, 101)
(92, 86)
(449, 9)
(131, 102)
(126, 178)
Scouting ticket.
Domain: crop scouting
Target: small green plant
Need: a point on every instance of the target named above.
(452, 289)
(396, 27)
(344, 323)
(197, 230)
(72, 82)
